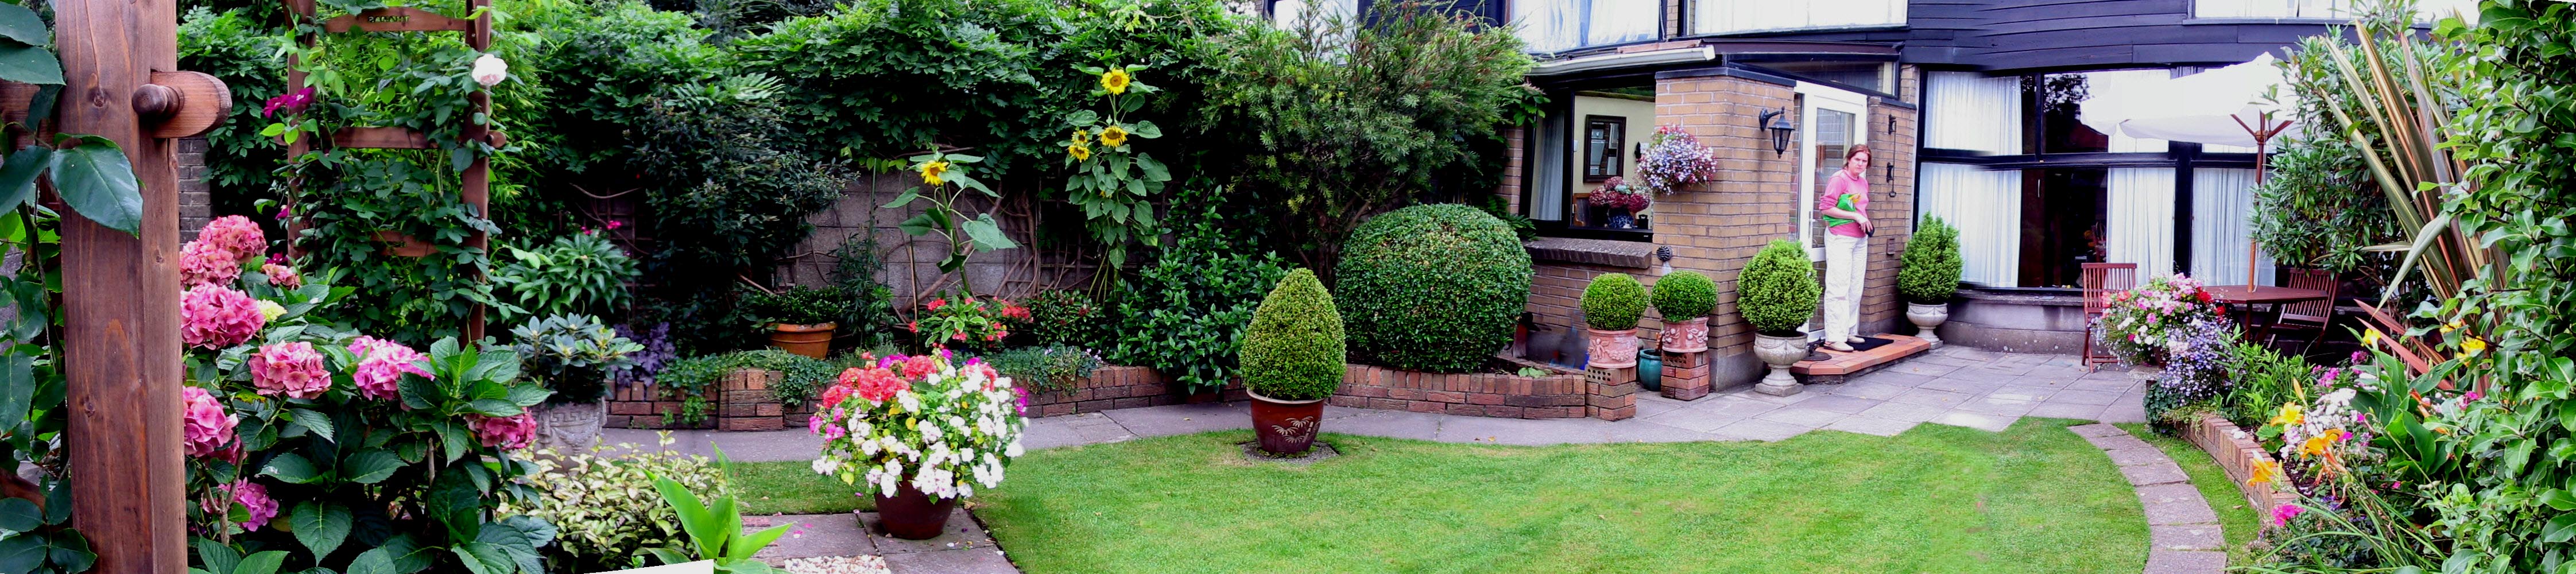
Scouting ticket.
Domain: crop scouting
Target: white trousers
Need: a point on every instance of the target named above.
(1846, 263)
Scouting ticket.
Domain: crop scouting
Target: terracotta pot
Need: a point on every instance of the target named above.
(1780, 352)
(1927, 320)
(813, 340)
(398, 243)
(911, 515)
(1613, 349)
(1286, 427)
(1685, 337)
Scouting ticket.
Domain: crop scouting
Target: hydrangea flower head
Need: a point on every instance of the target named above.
(293, 369)
(236, 235)
(511, 432)
(204, 425)
(215, 317)
(381, 365)
(203, 263)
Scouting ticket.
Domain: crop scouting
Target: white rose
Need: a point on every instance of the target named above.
(490, 70)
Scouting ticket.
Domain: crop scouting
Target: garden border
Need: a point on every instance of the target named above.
(2236, 454)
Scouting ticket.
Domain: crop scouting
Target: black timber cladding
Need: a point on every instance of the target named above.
(2043, 35)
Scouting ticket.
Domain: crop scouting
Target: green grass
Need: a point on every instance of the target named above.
(1936, 499)
(2238, 519)
(791, 488)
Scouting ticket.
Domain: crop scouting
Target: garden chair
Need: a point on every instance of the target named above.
(2309, 315)
(2100, 280)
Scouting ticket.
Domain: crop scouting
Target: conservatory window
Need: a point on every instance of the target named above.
(1560, 25)
(2425, 10)
(1736, 16)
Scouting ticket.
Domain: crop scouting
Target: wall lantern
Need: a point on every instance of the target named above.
(1777, 122)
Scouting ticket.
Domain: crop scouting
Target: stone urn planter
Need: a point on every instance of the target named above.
(1779, 352)
(1928, 318)
(912, 515)
(1285, 427)
(1613, 349)
(1685, 337)
(812, 340)
(571, 427)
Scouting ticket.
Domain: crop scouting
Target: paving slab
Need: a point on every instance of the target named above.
(1651, 404)
(1522, 432)
(962, 533)
(1922, 368)
(2185, 562)
(1872, 426)
(2007, 408)
(1651, 432)
(977, 561)
(1902, 412)
(1894, 377)
(1392, 424)
(815, 535)
(2130, 409)
(1802, 416)
(1809, 392)
(2136, 456)
(1989, 423)
(2096, 429)
(2156, 472)
(2065, 411)
(1761, 430)
(1098, 428)
(1960, 385)
(1931, 398)
(2187, 537)
(1696, 420)
(2080, 397)
(743, 446)
(1844, 404)
(1870, 390)
(2019, 392)
(1183, 419)
(1733, 406)
(1051, 432)
(2117, 442)
(2119, 385)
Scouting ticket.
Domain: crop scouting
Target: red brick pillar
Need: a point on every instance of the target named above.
(1686, 375)
(744, 403)
(1612, 393)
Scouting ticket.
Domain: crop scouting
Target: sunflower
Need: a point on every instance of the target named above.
(930, 172)
(1079, 151)
(1113, 136)
(1081, 137)
(1116, 80)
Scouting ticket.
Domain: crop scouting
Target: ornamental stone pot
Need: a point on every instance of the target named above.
(1613, 349)
(1780, 353)
(1686, 336)
(911, 514)
(1285, 427)
(814, 340)
(572, 427)
(1650, 370)
(1928, 319)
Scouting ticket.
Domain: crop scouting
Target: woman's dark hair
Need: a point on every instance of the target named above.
(1855, 150)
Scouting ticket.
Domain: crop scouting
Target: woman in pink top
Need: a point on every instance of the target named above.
(1845, 208)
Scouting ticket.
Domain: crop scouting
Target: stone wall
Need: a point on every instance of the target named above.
(196, 203)
(912, 263)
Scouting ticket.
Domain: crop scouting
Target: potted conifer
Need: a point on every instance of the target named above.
(1930, 276)
(1611, 306)
(1292, 358)
(1776, 293)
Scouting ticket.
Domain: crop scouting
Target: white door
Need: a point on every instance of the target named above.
(1830, 122)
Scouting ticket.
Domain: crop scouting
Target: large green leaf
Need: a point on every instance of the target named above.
(920, 224)
(321, 526)
(373, 561)
(218, 557)
(29, 64)
(22, 552)
(18, 176)
(261, 563)
(988, 234)
(370, 466)
(97, 181)
(17, 391)
(314, 421)
(23, 25)
(292, 468)
(19, 514)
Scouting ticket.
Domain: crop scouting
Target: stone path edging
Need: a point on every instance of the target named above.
(2184, 533)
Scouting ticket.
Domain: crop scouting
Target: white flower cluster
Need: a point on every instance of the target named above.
(946, 435)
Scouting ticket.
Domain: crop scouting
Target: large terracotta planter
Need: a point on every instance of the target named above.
(1686, 336)
(1613, 349)
(1286, 427)
(1928, 319)
(911, 515)
(813, 340)
(1780, 353)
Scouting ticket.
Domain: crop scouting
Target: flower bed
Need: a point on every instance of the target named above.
(2239, 454)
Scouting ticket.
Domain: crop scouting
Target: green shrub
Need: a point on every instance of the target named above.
(1930, 272)
(1613, 302)
(1432, 288)
(1777, 290)
(1067, 317)
(1185, 314)
(1048, 368)
(798, 304)
(1684, 295)
(571, 355)
(579, 273)
(1294, 350)
(2263, 380)
(603, 504)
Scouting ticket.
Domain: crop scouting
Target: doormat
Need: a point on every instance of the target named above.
(1867, 343)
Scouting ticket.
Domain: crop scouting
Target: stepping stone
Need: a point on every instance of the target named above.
(2117, 442)
(2097, 429)
(2158, 472)
(1872, 426)
(976, 561)
(962, 533)
(824, 535)
(1988, 423)
(2185, 562)
(2065, 411)
(2136, 456)
(2188, 537)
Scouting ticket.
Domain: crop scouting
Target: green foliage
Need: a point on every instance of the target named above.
(1338, 119)
(571, 355)
(1684, 295)
(1521, 224)
(1047, 368)
(796, 304)
(1116, 201)
(1432, 288)
(714, 531)
(691, 377)
(2319, 206)
(1294, 350)
(1068, 317)
(964, 321)
(1184, 315)
(1613, 302)
(868, 319)
(2263, 380)
(941, 214)
(578, 273)
(1777, 291)
(1930, 267)
(235, 46)
(603, 504)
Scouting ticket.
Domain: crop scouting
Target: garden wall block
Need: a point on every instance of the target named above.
(1559, 394)
(2236, 452)
(738, 402)
(1686, 376)
(1611, 394)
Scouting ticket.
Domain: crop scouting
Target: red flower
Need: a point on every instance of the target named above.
(875, 385)
(918, 367)
(960, 336)
(2204, 297)
(935, 304)
(832, 397)
(914, 326)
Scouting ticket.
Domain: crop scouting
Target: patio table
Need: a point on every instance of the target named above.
(2247, 296)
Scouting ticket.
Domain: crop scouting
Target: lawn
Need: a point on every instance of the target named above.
(791, 488)
(2234, 516)
(2035, 498)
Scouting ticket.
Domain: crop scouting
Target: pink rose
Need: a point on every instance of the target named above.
(252, 497)
(282, 276)
(293, 369)
(215, 317)
(381, 365)
(202, 263)
(204, 426)
(511, 432)
(236, 235)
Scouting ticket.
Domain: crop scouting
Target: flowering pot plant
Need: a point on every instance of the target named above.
(2145, 326)
(1673, 159)
(919, 432)
(966, 321)
(1616, 194)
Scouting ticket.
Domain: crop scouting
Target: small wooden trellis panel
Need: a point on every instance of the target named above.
(477, 190)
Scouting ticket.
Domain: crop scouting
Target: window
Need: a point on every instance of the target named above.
(2062, 225)
(1559, 25)
(1603, 137)
(2425, 10)
(1735, 16)
(1876, 76)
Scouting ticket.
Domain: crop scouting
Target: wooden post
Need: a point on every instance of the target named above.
(478, 177)
(120, 299)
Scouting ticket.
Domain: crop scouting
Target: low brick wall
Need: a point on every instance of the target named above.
(1116, 387)
(1559, 394)
(2236, 452)
(739, 402)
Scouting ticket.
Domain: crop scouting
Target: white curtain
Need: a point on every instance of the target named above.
(1621, 21)
(1726, 16)
(1985, 205)
(1547, 182)
(1971, 111)
(1549, 25)
(2141, 215)
(2221, 200)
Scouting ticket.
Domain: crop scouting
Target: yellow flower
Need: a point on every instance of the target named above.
(2370, 338)
(2474, 346)
(2316, 445)
(2454, 325)
(1116, 80)
(1081, 137)
(930, 172)
(2263, 472)
(269, 310)
(1078, 151)
(2289, 415)
(1113, 136)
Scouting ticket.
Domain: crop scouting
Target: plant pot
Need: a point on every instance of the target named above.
(1650, 370)
(912, 515)
(1285, 427)
(1685, 336)
(398, 243)
(1780, 352)
(814, 340)
(1613, 349)
(1927, 319)
(572, 427)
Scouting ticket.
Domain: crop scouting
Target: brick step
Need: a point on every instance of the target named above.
(1839, 365)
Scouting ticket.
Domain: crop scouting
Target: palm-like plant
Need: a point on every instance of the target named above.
(2400, 126)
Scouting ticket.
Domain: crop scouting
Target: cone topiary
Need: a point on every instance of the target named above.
(1294, 349)
(1684, 295)
(1613, 302)
(1777, 290)
(1432, 288)
(1931, 263)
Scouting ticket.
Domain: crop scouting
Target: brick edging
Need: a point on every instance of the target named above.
(2236, 453)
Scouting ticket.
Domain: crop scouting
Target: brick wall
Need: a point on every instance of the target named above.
(2236, 454)
(739, 402)
(1558, 394)
(196, 203)
(1114, 387)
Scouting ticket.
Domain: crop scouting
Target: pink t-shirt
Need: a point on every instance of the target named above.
(1841, 184)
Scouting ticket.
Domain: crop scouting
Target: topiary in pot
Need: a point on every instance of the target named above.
(1433, 288)
(1776, 293)
(1611, 305)
(1684, 298)
(1930, 276)
(1292, 359)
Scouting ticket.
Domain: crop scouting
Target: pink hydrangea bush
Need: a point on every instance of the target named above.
(281, 276)
(202, 263)
(216, 317)
(235, 235)
(252, 497)
(506, 433)
(293, 369)
(381, 365)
